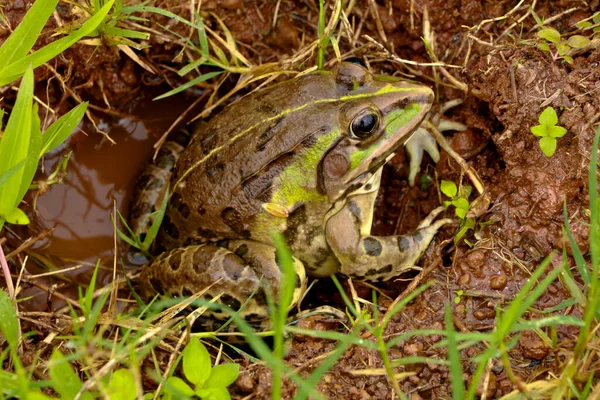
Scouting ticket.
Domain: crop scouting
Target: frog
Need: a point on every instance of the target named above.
(303, 158)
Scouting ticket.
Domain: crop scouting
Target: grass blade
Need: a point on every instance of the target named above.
(189, 84)
(26, 33)
(62, 128)
(14, 70)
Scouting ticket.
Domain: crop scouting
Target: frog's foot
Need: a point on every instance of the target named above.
(422, 141)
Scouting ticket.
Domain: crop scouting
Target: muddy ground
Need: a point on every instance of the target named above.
(505, 82)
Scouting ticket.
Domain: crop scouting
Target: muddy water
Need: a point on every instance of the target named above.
(99, 176)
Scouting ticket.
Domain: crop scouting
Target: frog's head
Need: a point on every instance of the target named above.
(376, 117)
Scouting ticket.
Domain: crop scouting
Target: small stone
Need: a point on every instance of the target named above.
(464, 280)
(532, 346)
(492, 386)
(476, 259)
(479, 315)
(498, 282)
(245, 383)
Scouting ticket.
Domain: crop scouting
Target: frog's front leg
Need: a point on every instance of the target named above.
(367, 257)
(235, 270)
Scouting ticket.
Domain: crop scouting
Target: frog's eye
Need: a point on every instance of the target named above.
(364, 124)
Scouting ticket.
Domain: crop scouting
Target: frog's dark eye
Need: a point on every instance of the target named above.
(364, 124)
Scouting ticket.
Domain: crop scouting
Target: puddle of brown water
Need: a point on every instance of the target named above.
(99, 174)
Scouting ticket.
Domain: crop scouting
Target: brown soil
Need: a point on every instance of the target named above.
(509, 84)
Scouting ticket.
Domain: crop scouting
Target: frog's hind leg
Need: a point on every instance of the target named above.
(241, 272)
(153, 182)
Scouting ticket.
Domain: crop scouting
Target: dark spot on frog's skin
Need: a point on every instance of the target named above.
(184, 210)
(157, 285)
(187, 292)
(372, 246)
(175, 261)
(150, 182)
(298, 282)
(270, 131)
(387, 269)
(253, 317)
(181, 137)
(354, 209)
(260, 298)
(418, 236)
(214, 173)
(204, 233)
(230, 301)
(170, 228)
(233, 219)
(368, 187)
(296, 219)
(403, 243)
(201, 210)
(165, 159)
(208, 142)
(311, 140)
(241, 251)
(143, 208)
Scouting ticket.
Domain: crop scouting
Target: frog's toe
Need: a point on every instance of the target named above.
(420, 141)
(432, 216)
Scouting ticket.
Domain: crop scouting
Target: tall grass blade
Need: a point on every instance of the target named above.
(9, 325)
(14, 147)
(456, 372)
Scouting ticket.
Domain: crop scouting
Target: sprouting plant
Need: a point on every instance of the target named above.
(548, 131)
(458, 199)
(558, 46)
(207, 382)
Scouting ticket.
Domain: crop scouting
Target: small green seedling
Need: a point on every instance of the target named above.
(207, 382)
(560, 47)
(548, 131)
(459, 199)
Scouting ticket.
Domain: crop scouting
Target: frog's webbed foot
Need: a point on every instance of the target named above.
(421, 140)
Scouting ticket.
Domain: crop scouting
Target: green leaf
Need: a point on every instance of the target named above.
(60, 130)
(196, 362)
(222, 375)
(578, 41)
(562, 49)
(461, 203)
(64, 380)
(540, 130)
(548, 146)
(556, 131)
(548, 117)
(543, 46)
(568, 59)
(27, 31)
(17, 217)
(175, 384)
(448, 188)
(38, 396)
(13, 71)
(14, 147)
(213, 394)
(9, 324)
(122, 385)
(550, 34)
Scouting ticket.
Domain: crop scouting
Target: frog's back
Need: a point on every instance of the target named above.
(230, 167)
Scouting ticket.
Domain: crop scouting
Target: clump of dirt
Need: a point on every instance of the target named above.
(508, 84)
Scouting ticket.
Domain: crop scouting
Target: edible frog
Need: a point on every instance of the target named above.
(303, 158)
